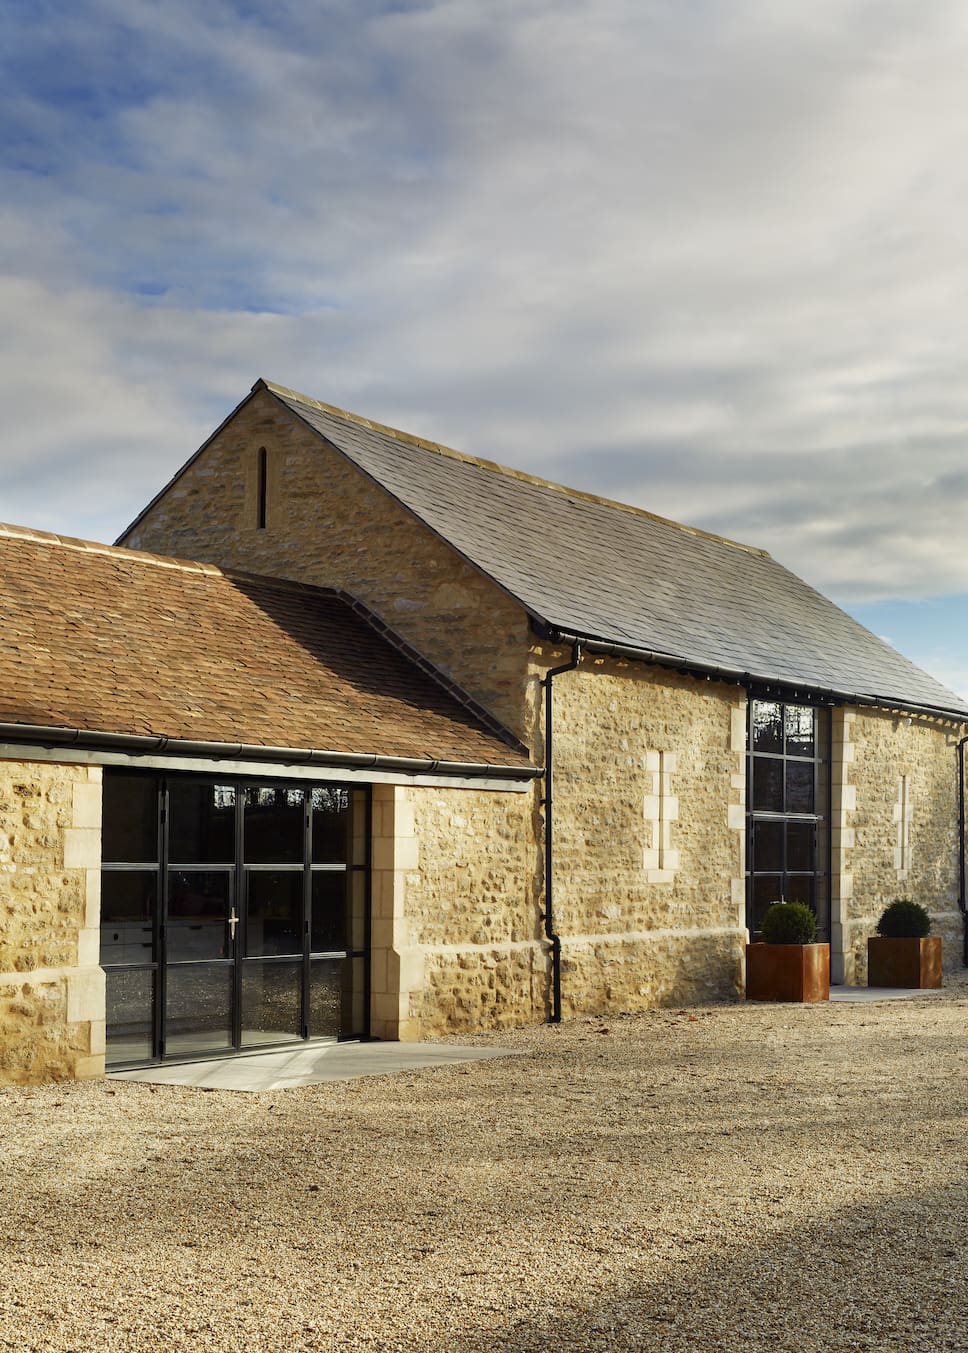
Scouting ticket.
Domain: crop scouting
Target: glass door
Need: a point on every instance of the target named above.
(200, 933)
(234, 914)
(274, 869)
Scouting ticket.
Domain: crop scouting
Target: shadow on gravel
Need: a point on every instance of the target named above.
(888, 1278)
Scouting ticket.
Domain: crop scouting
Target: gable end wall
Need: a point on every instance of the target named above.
(330, 526)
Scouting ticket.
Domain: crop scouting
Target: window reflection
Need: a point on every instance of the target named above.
(798, 726)
(767, 727)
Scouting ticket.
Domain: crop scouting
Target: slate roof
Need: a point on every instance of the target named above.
(586, 566)
(114, 641)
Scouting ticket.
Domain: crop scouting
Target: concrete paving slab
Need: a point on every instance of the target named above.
(290, 1069)
(863, 994)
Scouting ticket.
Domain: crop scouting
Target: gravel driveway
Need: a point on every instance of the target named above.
(730, 1177)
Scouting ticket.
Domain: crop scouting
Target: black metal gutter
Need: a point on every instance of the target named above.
(737, 676)
(962, 899)
(551, 933)
(142, 745)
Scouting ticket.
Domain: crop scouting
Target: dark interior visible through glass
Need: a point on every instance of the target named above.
(214, 895)
(788, 780)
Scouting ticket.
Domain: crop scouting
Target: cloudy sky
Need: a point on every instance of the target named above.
(707, 256)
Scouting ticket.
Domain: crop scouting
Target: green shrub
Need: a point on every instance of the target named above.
(789, 923)
(904, 919)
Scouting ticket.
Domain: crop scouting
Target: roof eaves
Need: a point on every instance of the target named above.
(100, 739)
(738, 676)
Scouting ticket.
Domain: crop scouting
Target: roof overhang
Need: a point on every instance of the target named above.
(738, 677)
(92, 747)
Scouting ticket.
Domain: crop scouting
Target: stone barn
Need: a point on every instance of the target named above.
(354, 735)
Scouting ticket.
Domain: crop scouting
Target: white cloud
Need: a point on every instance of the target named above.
(704, 257)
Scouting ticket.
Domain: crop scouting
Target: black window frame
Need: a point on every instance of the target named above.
(163, 866)
(818, 880)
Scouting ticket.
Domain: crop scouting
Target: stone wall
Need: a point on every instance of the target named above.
(649, 834)
(51, 988)
(895, 828)
(328, 525)
(650, 788)
(456, 932)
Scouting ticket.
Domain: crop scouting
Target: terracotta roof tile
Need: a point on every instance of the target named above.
(110, 640)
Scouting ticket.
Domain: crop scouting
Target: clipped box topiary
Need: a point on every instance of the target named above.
(903, 953)
(789, 923)
(788, 965)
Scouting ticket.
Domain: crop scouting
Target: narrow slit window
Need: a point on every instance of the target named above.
(263, 486)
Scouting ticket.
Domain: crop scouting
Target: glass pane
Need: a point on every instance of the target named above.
(130, 1003)
(800, 838)
(767, 726)
(353, 1013)
(767, 889)
(798, 721)
(325, 997)
(201, 823)
(274, 912)
(129, 818)
(199, 903)
(328, 929)
(198, 1008)
(331, 824)
(799, 786)
(127, 915)
(271, 1001)
(767, 845)
(767, 785)
(274, 823)
(799, 888)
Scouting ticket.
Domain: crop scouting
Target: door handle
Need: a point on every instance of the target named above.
(233, 922)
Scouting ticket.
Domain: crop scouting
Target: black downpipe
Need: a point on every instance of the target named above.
(549, 839)
(962, 900)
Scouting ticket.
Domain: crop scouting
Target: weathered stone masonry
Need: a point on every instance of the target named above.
(651, 791)
(636, 934)
(895, 829)
(51, 988)
(327, 525)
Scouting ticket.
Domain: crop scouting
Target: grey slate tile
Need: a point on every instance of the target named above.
(586, 566)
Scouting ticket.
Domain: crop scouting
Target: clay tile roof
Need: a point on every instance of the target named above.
(109, 640)
(587, 566)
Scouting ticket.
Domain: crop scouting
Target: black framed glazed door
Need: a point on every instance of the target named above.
(788, 817)
(235, 915)
(199, 934)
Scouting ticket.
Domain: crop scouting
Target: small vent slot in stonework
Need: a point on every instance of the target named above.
(263, 487)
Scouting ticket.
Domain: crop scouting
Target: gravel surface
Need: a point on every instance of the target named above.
(728, 1177)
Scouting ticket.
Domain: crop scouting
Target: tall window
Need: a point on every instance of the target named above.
(788, 789)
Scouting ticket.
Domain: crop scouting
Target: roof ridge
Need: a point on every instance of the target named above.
(440, 449)
(81, 546)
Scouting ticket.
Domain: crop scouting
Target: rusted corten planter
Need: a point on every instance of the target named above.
(904, 962)
(788, 972)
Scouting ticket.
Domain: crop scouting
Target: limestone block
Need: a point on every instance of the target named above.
(82, 848)
(85, 994)
(87, 806)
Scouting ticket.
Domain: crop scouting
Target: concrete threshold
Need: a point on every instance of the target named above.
(292, 1069)
(863, 994)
